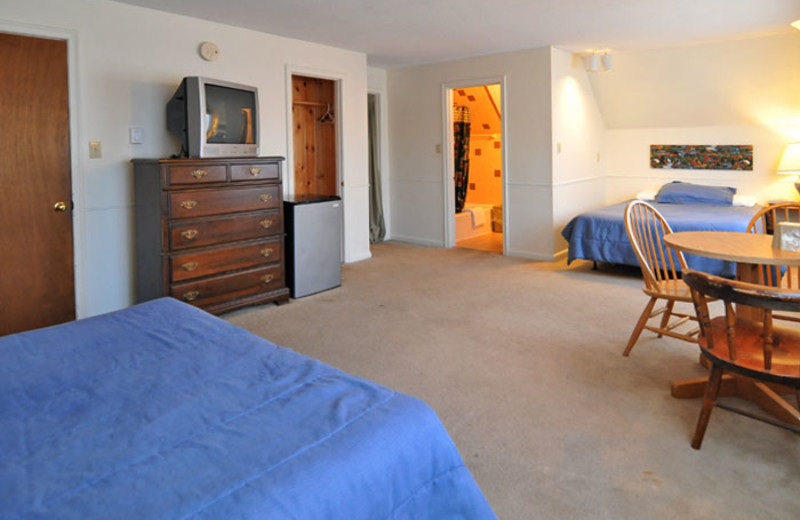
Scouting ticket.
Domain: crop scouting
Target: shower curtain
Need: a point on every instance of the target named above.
(461, 122)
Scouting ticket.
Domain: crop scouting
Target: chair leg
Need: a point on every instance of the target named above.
(710, 397)
(648, 309)
(667, 315)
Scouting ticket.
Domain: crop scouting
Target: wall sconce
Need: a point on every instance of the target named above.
(595, 58)
(796, 24)
(790, 162)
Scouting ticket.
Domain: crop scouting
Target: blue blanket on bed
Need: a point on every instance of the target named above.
(599, 235)
(164, 411)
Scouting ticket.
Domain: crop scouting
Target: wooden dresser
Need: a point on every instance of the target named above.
(210, 231)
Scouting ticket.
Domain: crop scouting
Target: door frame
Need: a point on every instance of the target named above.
(448, 169)
(77, 176)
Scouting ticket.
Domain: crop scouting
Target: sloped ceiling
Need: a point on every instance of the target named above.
(743, 82)
(407, 32)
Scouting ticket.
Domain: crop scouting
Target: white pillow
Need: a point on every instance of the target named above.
(646, 195)
(744, 200)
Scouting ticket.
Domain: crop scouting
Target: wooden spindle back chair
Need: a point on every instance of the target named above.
(660, 266)
(765, 222)
(755, 349)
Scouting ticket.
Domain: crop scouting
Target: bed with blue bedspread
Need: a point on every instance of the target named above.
(164, 411)
(599, 235)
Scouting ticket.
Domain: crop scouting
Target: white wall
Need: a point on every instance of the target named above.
(127, 63)
(578, 131)
(416, 127)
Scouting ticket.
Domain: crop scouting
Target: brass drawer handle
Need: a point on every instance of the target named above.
(255, 171)
(267, 252)
(190, 266)
(266, 223)
(199, 174)
(267, 278)
(188, 204)
(266, 197)
(191, 295)
(189, 234)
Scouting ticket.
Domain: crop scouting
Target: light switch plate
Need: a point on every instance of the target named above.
(94, 150)
(136, 135)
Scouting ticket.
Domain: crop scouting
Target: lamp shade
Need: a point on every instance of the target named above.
(790, 162)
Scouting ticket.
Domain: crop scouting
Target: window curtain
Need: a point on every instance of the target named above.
(461, 122)
(377, 227)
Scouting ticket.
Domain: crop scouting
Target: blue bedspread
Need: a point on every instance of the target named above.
(600, 234)
(164, 411)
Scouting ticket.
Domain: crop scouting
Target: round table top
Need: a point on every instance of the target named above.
(749, 248)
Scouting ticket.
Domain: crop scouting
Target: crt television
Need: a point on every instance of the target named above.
(214, 118)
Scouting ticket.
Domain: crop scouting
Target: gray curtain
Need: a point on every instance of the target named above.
(377, 227)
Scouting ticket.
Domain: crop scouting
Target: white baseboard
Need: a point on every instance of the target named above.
(417, 241)
(531, 256)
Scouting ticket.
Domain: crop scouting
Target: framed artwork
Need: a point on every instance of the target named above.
(701, 157)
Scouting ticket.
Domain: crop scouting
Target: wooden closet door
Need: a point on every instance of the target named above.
(37, 285)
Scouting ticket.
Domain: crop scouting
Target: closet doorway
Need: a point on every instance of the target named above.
(475, 166)
(314, 137)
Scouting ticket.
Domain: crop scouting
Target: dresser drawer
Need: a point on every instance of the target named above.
(228, 286)
(230, 228)
(198, 203)
(255, 172)
(195, 265)
(197, 174)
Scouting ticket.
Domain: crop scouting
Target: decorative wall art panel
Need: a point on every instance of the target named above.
(701, 157)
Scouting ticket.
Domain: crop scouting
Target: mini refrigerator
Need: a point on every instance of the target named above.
(313, 243)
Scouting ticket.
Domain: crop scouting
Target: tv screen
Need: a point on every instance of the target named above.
(214, 118)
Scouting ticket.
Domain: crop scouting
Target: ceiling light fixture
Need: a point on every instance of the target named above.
(595, 58)
(606, 60)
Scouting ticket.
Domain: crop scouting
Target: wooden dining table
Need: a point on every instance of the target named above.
(749, 251)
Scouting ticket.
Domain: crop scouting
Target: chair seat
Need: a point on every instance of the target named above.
(672, 289)
(749, 352)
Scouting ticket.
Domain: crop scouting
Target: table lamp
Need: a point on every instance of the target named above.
(790, 162)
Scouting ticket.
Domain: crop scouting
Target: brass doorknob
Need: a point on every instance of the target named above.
(60, 206)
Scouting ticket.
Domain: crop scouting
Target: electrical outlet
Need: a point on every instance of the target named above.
(94, 150)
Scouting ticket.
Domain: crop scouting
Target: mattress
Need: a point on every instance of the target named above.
(599, 235)
(164, 411)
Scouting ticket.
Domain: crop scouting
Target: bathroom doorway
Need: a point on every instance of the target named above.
(475, 147)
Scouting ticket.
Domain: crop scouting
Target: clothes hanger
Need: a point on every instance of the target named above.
(327, 117)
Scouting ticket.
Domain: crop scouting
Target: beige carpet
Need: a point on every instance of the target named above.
(522, 362)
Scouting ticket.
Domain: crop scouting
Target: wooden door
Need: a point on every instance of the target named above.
(37, 286)
(314, 136)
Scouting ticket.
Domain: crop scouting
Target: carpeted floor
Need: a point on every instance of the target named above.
(522, 362)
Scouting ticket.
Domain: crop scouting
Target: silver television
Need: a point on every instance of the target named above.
(214, 118)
